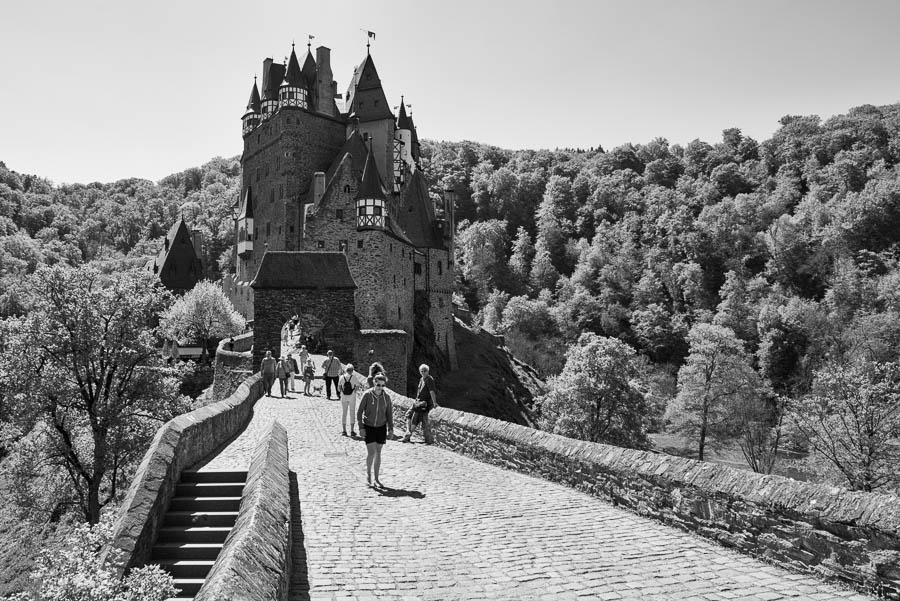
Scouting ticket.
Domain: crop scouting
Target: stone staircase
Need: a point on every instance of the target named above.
(201, 515)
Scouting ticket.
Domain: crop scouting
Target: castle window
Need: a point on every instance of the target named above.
(395, 280)
(272, 195)
(267, 170)
(320, 244)
(280, 191)
(342, 246)
(277, 163)
(339, 213)
(417, 268)
(390, 248)
(292, 229)
(376, 103)
(255, 233)
(268, 229)
(440, 268)
(347, 189)
(359, 244)
(399, 313)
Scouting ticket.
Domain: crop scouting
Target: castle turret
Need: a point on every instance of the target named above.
(251, 115)
(293, 90)
(371, 205)
(404, 135)
(368, 106)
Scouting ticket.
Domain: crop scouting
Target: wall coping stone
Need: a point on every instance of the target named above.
(178, 444)
(834, 532)
(255, 562)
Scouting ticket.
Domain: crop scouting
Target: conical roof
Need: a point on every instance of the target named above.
(253, 104)
(293, 76)
(371, 181)
(403, 121)
(309, 68)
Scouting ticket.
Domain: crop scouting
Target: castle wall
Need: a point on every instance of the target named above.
(274, 306)
(439, 287)
(324, 230)
(385, 284)
(279, 160)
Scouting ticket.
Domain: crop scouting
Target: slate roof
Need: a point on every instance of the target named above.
(403, 121)
(304, 270)
(247, 205)
(371, 181)
(177, 250)
(365, 96)
(253, 104)
(309, 68)
(416, 214)
(294, 76)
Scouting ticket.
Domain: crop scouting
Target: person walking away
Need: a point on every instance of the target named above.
(348, 384)
(426, 400)
(303, 354)
(267, 369)
(309, 372)
(374, 369)
(294, 370)
(282, 369)
(331, 367)
(375, 418)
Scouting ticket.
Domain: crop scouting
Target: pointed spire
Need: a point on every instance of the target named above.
(371, 181)
(293, 75)
(253, 104)
(403, 121)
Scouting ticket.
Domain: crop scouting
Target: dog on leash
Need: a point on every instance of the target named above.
(317, 388)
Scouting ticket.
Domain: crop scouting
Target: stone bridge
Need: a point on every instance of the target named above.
(450, 527)
(547, 520)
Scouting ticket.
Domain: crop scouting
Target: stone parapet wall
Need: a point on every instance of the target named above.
(180, 443)
(255, 562)
(835, 533)
(232, 366)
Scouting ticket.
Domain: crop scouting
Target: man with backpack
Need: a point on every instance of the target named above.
(349, 384)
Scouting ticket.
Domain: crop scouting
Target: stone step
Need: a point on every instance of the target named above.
(199, 476)
(189, 586)
(209, 489)
(200, 518)
(188, 551)
(205, 504)
(193, 534)
(187, 568)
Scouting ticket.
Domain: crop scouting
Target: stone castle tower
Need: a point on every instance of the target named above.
(323, 177)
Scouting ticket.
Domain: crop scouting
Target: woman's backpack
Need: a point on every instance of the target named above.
(348, 386)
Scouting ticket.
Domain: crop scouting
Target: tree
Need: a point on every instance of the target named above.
(482, 253)
(203, 313)
(852, 420)
(78, 572)
(596, 397)
(715, 379)
(81, 373)
(522, 254)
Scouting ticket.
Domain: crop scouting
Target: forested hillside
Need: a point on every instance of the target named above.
(116, 224)
(771, 264)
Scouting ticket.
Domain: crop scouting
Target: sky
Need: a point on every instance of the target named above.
(102, 90)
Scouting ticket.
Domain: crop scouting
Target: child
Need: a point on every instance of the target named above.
(309, 370)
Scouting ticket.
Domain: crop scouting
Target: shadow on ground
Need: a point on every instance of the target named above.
(299, 586)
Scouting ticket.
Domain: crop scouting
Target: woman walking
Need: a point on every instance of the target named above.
(348, 384)
(375, 418)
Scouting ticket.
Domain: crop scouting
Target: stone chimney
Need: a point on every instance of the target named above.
(318, 186)
(197, 240)
(325, 85)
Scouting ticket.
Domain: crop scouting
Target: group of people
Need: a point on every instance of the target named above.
(374, 415)
(287, 369)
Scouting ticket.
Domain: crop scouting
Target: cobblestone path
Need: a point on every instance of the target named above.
(450, 528)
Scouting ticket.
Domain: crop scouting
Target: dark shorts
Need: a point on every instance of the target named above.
(377, 434)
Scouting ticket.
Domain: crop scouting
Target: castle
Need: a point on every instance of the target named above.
(318, 177)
